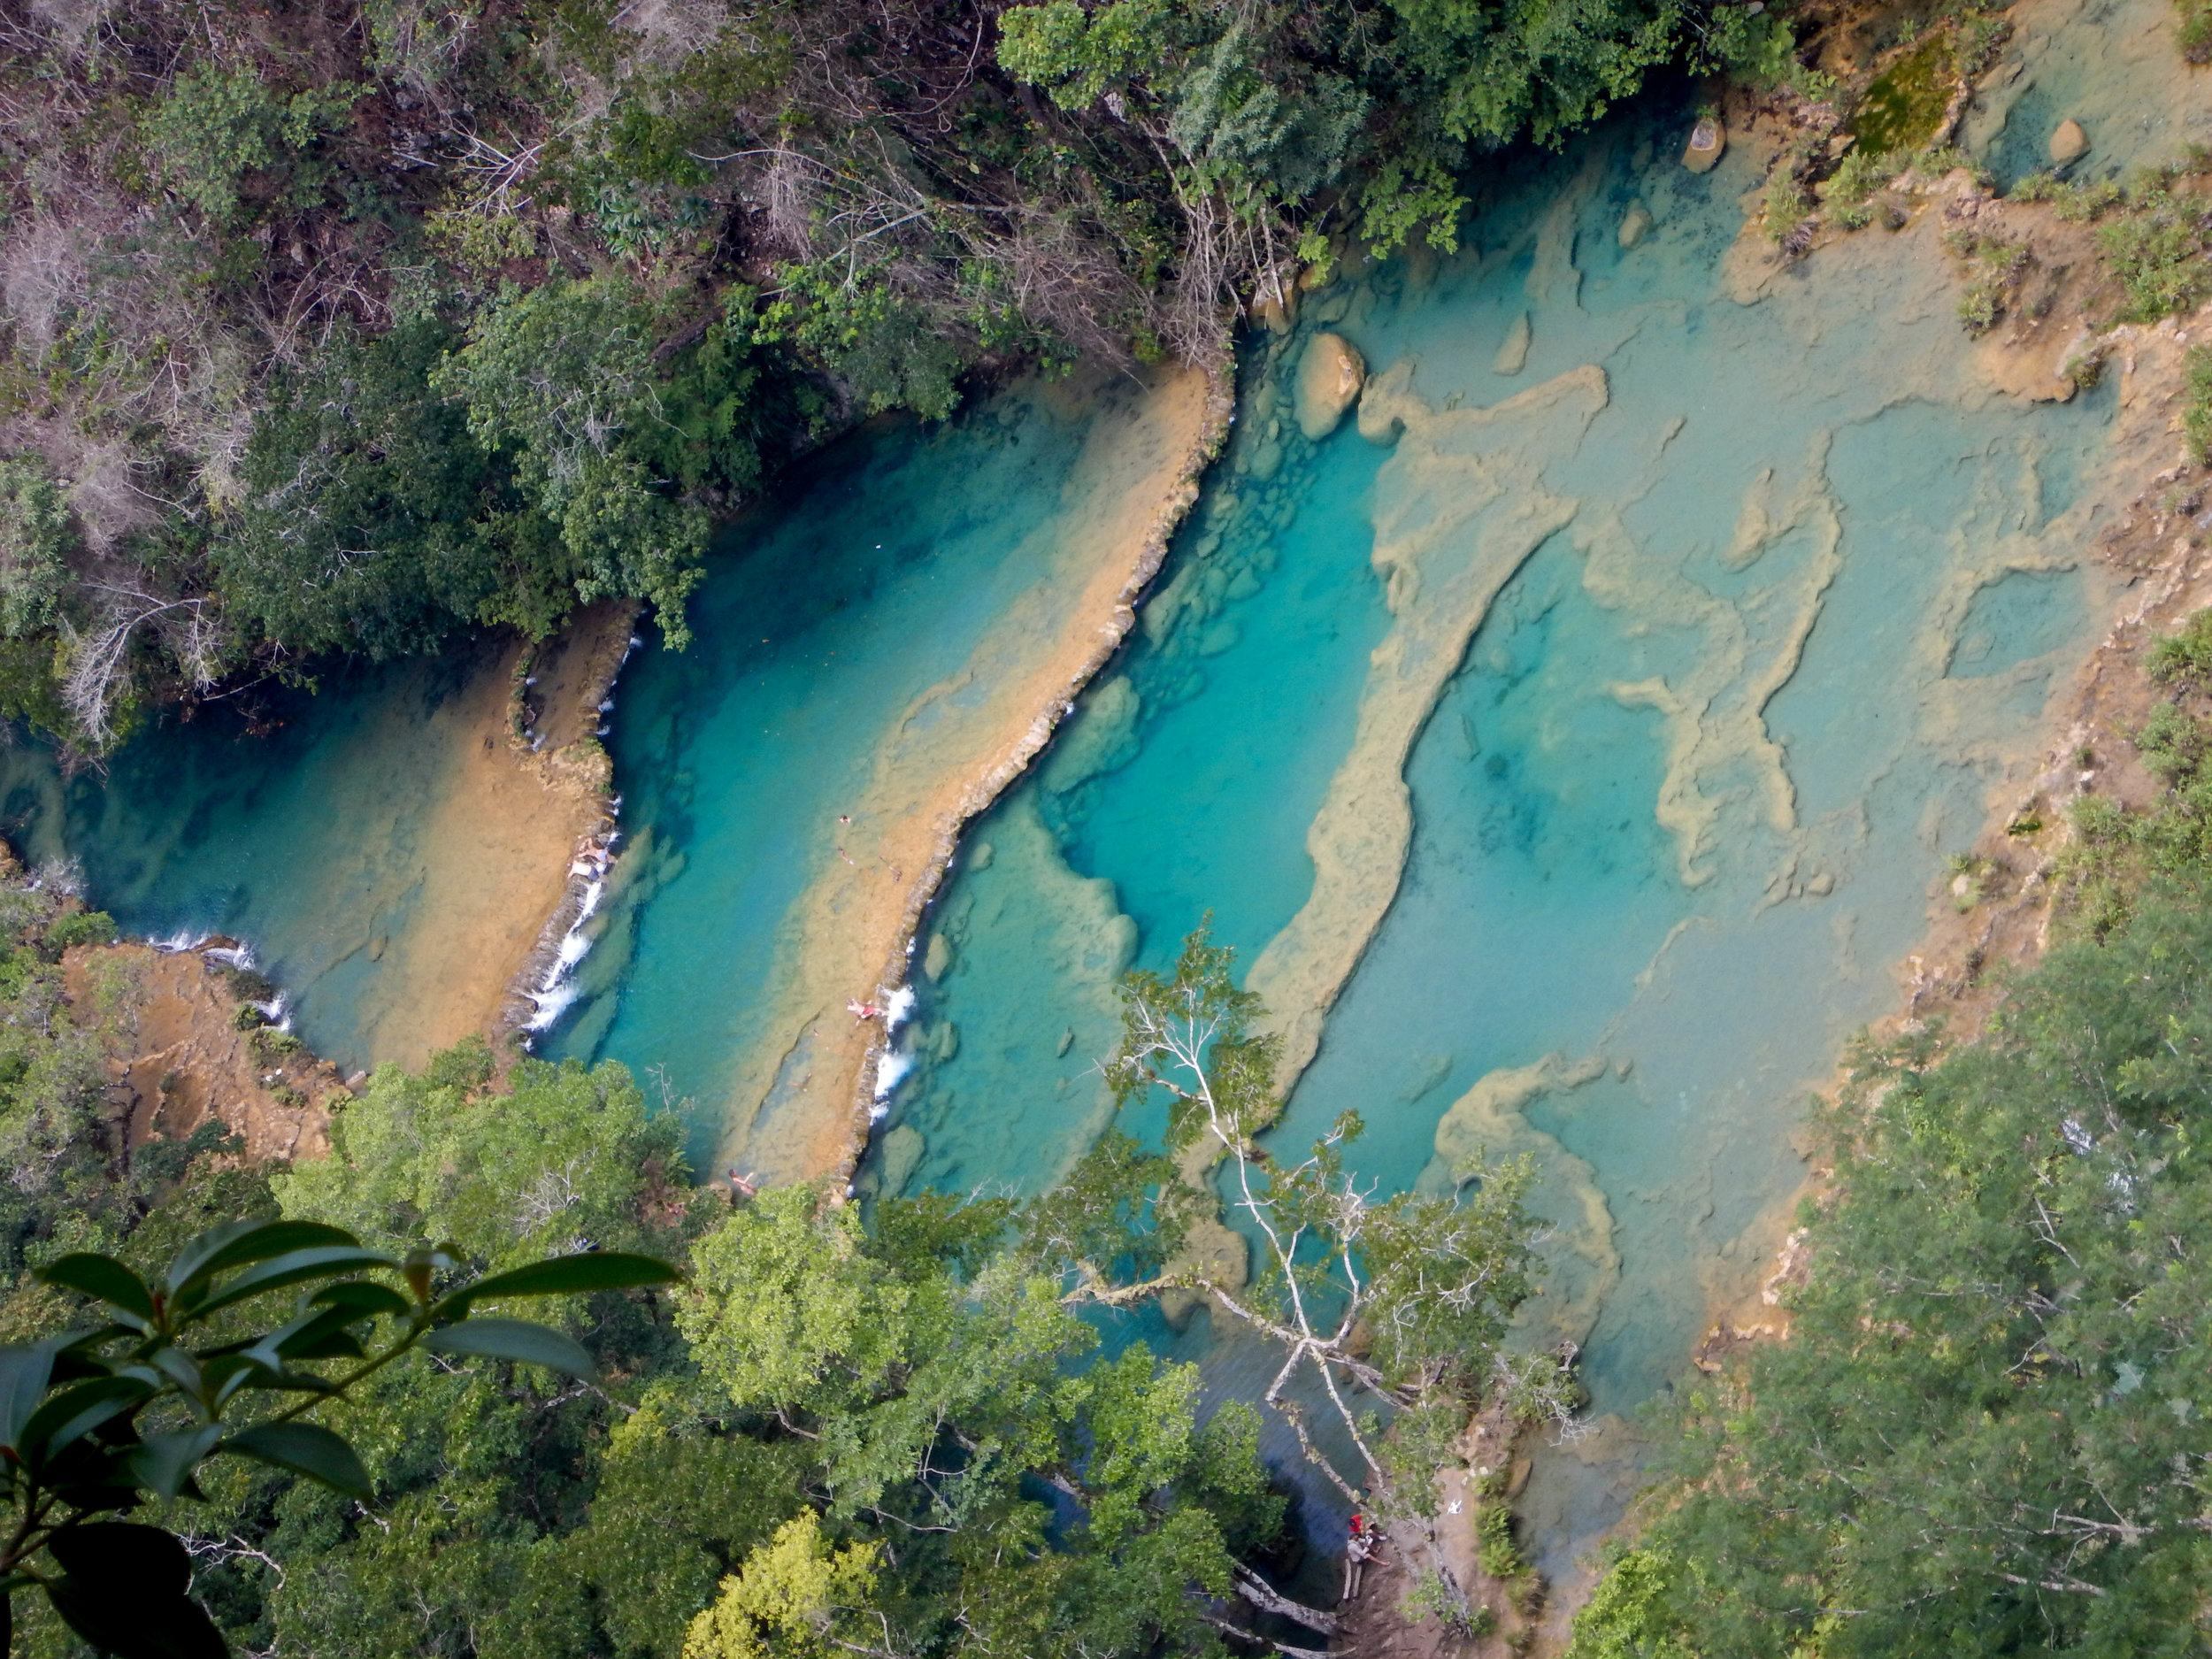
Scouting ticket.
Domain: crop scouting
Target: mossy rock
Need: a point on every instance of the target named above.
(1905, 105)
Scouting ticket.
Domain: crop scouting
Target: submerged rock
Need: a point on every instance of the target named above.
(1329, 378)
(1634, 224)
(2069, 143)
(898, 1157)
(1707, 140)
(1381, 406)
(1513, 353)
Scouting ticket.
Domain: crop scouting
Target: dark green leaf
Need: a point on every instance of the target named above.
(138, 1560)
(338, 1344)
(76, 1354)
(226, 1376)
(236, 1243)
(514, 1340)
(144, 1627)
(365, 1295)
(104, 1278)
(561, 1275)
(24, 1373)
(291, 1268)
(180, 1368)
(305, 1448)
(77, 1411)
(311, 1336)
(164, 1463)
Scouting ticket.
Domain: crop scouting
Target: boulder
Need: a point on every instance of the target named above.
(2069, 143)
(1634, 224)
(1708, 139)
(1329, 378)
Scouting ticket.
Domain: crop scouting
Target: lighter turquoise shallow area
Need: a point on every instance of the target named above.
(1544, 908)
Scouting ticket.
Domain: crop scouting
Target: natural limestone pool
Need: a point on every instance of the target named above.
(1572, 756)
(383, 856)
(1571, 742)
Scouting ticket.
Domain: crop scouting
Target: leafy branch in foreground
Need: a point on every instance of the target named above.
(1408, 1297)
(95, 1422)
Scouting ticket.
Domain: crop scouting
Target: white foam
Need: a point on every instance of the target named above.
(891, 1065)
(894, 1062)
(551, 1005)
(557, 991)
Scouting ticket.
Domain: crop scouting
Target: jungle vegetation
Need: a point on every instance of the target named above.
(334, 329)
(922, 1430)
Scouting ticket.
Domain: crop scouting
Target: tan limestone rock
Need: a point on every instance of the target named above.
(1513, 350)
(1708, 139)
(1329, 378)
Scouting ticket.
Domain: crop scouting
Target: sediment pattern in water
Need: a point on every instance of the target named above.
(1573, 748)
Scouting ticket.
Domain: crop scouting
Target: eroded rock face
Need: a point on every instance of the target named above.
(2069, 143)
(190, 1060)
(1329, 378)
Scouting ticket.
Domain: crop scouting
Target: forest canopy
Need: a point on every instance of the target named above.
(332, 330)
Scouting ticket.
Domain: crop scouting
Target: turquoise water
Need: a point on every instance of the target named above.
(2110, 65)
(1678, 813)
(301, 832)
(843, 633)
(1780, 599)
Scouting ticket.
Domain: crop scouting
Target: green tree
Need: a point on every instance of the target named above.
(97, 1422)
(217, 126)
(930, 1374)
(370, 520)
(1408, 1297)
(560, 379)
(37, 541)
(485, 1528)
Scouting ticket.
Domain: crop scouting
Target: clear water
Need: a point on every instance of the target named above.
(2112, 65)
(1680, 805)
(1774, 618)
(842, 647)
(305, 836)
